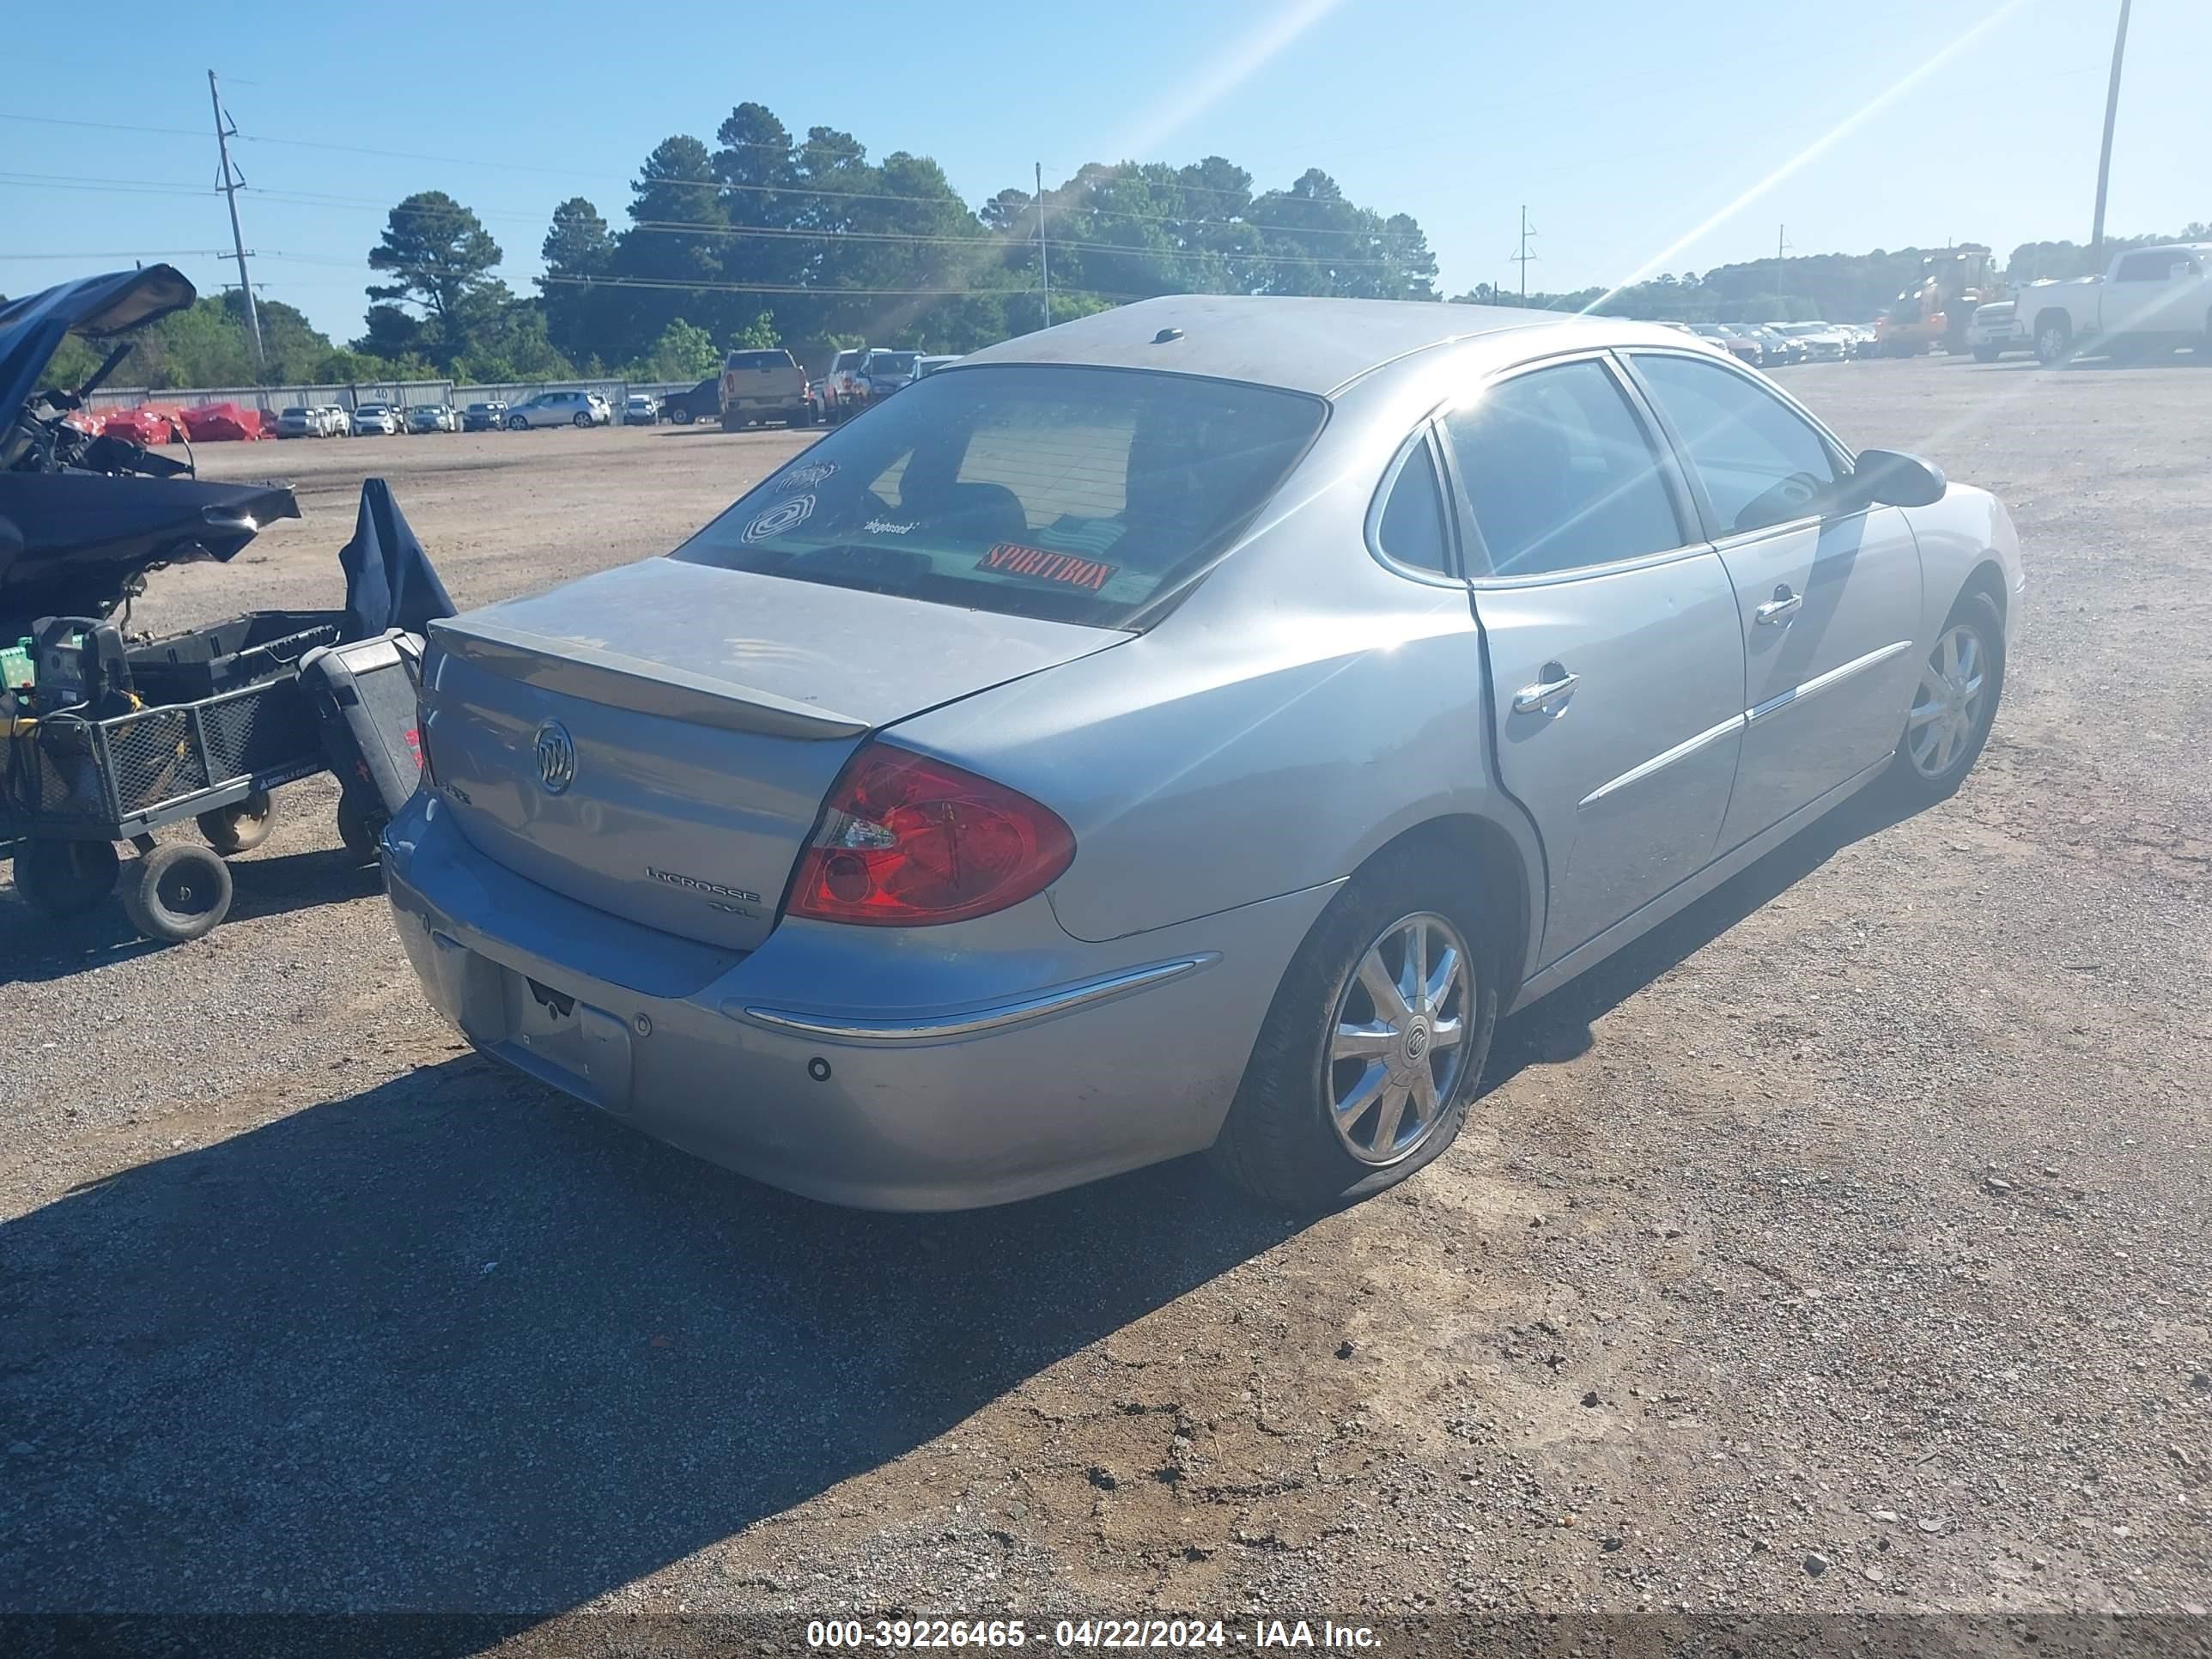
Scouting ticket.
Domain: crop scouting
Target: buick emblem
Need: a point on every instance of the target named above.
(556, 758)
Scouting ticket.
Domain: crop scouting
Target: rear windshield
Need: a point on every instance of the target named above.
(758, 359)
(1076, 494)
(891, 362)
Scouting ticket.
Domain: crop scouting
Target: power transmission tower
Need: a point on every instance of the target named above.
(229, 183)
(1044, 260)
(1522, 258)
(2112, 112)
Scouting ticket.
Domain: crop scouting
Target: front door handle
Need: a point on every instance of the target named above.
(1555, 687)
(1781, 608)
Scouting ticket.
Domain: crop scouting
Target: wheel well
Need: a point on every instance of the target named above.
(1987, 578)
(1498, 883)
(2048, 313)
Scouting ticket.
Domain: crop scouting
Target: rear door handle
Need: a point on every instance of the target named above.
(1781, 608)
(1555, 687)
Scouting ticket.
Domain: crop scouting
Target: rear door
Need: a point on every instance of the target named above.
(1616, 665)
(1828, 602)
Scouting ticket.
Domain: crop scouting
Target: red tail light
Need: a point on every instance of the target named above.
(906, 841)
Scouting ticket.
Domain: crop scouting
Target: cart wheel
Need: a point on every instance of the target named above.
(361, 826)
(241, 827)
(177, 891)
(64, 878)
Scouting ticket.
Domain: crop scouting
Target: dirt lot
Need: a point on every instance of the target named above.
(1843, 1246)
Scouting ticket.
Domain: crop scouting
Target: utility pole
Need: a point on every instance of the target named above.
(2111, 112)
(229, 184)
(1781, 247)
(1524, 256)
(1044, 261)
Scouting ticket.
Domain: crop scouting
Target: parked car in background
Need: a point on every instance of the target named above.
(1995, 331)
(703, 401)
(1780, 348)
(883, 373)
(377, 419)
(487, 417)
(337, 420)
(838, 399)
(560, 409)
(1741, 346)
(969, 908)
(2152, 300)
(926, 366)
(1823, 341)
(763, 385)
(301, 421)
(640, 409)
(433, 417)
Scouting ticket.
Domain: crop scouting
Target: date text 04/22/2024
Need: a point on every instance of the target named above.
(1158, 1634)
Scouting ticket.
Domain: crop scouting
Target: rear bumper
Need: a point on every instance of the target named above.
(1001, 1061)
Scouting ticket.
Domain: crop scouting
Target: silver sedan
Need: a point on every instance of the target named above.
(1187, 728)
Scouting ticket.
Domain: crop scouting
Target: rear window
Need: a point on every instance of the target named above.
(892, 363)
(757, 360)
(1076, 494)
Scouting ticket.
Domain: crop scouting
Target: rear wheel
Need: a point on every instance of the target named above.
(64, 878)
(1373, 1046)
(241, 827)
(177, 892)
(1955, 702)
(583, 418)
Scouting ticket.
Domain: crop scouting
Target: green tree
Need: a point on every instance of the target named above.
(578, 251)
(441, 257)
(684, 352)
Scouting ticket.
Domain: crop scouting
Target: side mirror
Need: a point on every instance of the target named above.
(1889, 478)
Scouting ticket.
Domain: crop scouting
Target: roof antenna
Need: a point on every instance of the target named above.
(1166, 335)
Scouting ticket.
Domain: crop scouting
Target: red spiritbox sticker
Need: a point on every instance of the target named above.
(1047, 566)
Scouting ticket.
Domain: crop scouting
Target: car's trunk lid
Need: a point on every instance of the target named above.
(700, 716)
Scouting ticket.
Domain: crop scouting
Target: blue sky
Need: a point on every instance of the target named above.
(1642, 136)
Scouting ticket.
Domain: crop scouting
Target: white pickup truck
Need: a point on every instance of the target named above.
(2152, 299)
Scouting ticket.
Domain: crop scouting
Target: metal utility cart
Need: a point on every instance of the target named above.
(74, 786)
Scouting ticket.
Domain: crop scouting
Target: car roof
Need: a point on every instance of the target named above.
(1301, 344)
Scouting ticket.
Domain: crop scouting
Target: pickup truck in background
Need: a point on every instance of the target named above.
(2153, 298)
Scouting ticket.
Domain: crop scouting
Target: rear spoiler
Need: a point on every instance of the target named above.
(579, 669)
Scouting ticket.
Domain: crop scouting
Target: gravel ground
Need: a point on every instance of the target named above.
(1841, 1246)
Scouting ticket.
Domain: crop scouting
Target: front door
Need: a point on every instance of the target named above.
(1615, 662)
(1828, 602)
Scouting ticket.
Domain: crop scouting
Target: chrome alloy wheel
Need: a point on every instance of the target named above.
(1398, 1052)
(1947, 707)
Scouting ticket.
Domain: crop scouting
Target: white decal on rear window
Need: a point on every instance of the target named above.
(783, 515)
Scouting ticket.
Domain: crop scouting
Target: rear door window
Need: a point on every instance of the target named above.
(1077, 494)
(1560, 473)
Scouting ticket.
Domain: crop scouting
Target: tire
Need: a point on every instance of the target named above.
(682, 417)
(516, 423)
(1925, 769)
(361, 826)
(1281, 1141)
(241, 827)
(729, 424)
(177, 892)
(64, 878)
(2054, 339)
(1987, 353)
(583, 420)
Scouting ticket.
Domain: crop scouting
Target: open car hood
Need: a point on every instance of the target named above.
(32, 328)
(75, 543)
